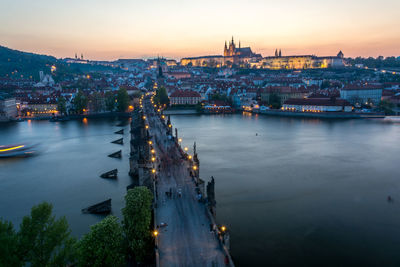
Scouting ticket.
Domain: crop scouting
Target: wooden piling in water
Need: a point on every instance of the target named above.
(113, 174)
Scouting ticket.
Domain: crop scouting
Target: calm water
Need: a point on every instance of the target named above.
(302, 192)
(66, 171)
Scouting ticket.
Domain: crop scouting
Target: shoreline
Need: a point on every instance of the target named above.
(73, 117)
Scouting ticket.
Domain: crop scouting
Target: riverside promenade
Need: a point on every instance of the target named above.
(187, 234)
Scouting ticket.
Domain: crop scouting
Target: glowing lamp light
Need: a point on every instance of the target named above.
(155, 233)
(194, 167)
(190, 157)
(223, 228)
(180, 140)
(144, 117)
(153, 151)
(186, 148)
(153, 170)
(163, 116)
(147, 127)
(169, 125)
(153, 159)
(150, 142)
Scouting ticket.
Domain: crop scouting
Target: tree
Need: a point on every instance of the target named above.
(122, 100)
(110, 101)
(62, 105)
(8, 245)
(325, 84)
(274, 100)
(43, 240)
(96, 102)
(103, 245)
(161, 96)
(137, 219)
(80, 102)
(386, 107)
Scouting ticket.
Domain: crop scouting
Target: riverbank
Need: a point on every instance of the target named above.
(74, 117)
(324, 115)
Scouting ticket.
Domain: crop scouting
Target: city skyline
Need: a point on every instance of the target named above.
(105, 31)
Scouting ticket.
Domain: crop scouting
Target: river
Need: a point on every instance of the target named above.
(291, 191)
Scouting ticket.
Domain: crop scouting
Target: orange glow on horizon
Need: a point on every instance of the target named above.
(105, 30)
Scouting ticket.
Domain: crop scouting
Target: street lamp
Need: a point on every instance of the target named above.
(194, 167)
(153, 159)
(153, 170)
(147, 126)
(190, 157)
(153, 151)
(144, 117)
(155, 233)
(223, 228)
(180, 140)
(186, 148)
(150, 142)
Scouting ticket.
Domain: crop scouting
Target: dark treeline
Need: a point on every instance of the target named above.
(379, 62)
(43, 240)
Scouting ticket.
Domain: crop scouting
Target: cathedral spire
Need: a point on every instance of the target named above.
(232, 40)
(280, 52)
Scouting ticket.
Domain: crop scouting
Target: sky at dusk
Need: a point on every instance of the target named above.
(106, 30)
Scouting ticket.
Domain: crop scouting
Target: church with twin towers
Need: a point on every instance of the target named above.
(238, 56)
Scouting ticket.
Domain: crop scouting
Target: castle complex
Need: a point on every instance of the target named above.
(244, 57)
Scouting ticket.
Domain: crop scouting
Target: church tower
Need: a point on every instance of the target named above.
(225, 50)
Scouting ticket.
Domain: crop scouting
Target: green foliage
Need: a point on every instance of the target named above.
(219, 97)
(8, 245)
(274, 100)
(80, 102)
(199, 108)
(325, 84)
(16, 63)
(96, 102)
(110, 101)
(122, 100)
(103, 245)
(43, 240)
(387, 107)
(379, 62)
(62, 105)
(137, 94)
(137, 220)
(161, 96)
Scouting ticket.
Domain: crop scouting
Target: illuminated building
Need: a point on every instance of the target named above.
(184, 97)
(244, 57)
(316, 105)
(359, 94)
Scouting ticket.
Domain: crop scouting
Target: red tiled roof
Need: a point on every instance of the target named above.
(362, 86)
(185, 93)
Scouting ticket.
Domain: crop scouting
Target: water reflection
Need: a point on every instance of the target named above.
(302, 191)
